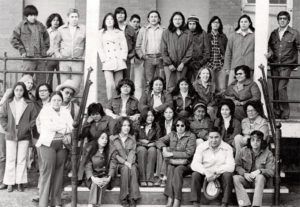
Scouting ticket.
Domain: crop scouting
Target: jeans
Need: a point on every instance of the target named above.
(2, 156)
(172, 77)
(52, 66)
(36, 65)
(153, 65)
(112, 78)
(240, 183)
(16, 157)
(280, 90)
(138, 74)
(146, 162)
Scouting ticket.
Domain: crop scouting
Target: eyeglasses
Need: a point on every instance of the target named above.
(239, 74)
(180, 125)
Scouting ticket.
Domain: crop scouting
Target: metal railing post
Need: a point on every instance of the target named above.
(277, 163)
(4, 71)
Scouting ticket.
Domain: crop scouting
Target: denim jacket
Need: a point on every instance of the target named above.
(115, 104)
(246, 162)
(23, 39)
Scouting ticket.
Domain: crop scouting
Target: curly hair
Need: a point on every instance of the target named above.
(119, 124)
(125, 82)
(95, 108)
(51, 17)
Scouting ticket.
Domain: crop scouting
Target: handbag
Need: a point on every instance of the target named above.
(180, 161)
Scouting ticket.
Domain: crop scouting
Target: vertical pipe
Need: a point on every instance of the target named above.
(277, 163)
(4, 73)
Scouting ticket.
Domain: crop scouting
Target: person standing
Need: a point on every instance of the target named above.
(55, 126)
(135, 22)
(217, 44)
(17, 117)
(284, 45)
(148, 47)
(70, 43)
(213, 160)
(201, 51)
(113, 53)
(130, 34)
(177, 50)
(240, 47)
(31, 38)
(53, 22)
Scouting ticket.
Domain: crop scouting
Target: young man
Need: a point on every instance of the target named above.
(70, 43)
(255, 164)
(201, 51)
(135, 22)
(130, 34)
(212, 160)
(284, 45)
(31, 38)
(69, 89)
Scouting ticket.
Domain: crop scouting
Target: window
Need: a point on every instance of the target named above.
(271, 1)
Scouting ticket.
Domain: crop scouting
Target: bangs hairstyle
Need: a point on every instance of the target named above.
(37, 95)
(172, 27)
(257, 105)
(259, 135)
(184, 121)
(250, 21)
(135, 16)
(119, 124)
(156, 12)
(155, 79)
(50, 19)
(198, 29)
(120, 10)
(125, 82)
(191, 90)
(209, 71)
(144, 115)
(214, 18)
(230, 104)
(115, 25)
(244, 68)
(56, 93)
(94, 108)
(284, 13)
(30, 10)
(25, 93)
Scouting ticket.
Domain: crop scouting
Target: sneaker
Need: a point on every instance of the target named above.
(3, 186)
(132, 203)
(9, 188)
(35, 199)
(163, 183)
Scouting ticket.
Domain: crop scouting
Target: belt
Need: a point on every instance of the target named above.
(154, 55)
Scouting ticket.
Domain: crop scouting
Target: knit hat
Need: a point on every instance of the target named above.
(193, 18)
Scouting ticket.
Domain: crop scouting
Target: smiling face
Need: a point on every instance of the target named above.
(109, 21)
(204, 75)
(158, 86)
(225, 111)
(177, 21)
(153, 19)
(125, 129)
(180, 127)
(200, 113)
(102, 140)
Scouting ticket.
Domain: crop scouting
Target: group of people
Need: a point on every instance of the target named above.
(185, 119)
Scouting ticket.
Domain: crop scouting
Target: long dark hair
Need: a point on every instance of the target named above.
(37, 95)
(119, 124)
(172, 27)
(257, 105)
(231, 106)
(95, 108)
(25, 93)
(184, 121)
(144, 115)
(198, 29)
(115, 26)
(220, 30)
(191, 91)
(250, 21)
(259, 135)
(51, 17)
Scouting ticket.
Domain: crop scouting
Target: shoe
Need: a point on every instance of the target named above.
(3, 186)
(132, 203)
(170, 202)
(163, 183)
(35, 199)
(195, 204)
(124, 203)
(150, 184)
(9, 188)
(20, 188)
(224, 205)
(176, 203)
(143, 184)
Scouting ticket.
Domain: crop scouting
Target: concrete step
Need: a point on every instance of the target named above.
(155, 195)
(289, 128)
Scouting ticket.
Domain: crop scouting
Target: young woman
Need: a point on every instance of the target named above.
(206, 90)
(54, 21)
(55, 130)
(165, 126)
(200, 47)
(17, 117)
(124, 104)
(200, 123)
(146, 135)
(157, 98)
(184, 97)
(100, 167)
(113, 52)
(255, 165)
(217, 44)
(177, 50)
(125, 143)
(228, 125)
(242, 90)
(178, 148)
(255, 120)
(240, 47)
